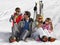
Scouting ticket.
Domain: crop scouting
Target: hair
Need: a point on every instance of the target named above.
(28, 13)
(47, 19)
(17, 8)
(38, 15)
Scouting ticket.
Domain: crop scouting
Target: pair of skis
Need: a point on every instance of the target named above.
(40, 9)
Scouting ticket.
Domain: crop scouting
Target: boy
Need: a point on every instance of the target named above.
(15, 18)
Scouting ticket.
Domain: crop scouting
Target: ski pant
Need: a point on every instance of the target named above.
(24, 35)
(40, 33)
(15, 30)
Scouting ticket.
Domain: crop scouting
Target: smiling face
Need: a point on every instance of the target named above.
(25, 16)
(18, 11)
(48, 21)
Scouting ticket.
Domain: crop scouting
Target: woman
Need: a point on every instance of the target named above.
(37, 30)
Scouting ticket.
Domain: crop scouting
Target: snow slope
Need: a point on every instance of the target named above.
(51, 9)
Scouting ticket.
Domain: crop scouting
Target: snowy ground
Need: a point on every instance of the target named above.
(51, 9)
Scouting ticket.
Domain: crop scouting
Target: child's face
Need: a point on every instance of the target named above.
(50, 21)
(18, 11)
(47, 22)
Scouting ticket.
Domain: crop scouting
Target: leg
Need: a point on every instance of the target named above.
(24, 35)
(15, 31)
(47, 33)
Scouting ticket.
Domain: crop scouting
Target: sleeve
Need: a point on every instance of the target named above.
(11, 18)
(33, 26)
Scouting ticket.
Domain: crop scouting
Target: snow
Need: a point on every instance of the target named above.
(51, 9)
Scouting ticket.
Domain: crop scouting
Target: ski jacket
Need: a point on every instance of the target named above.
(48, 27)
(21, 24)
(18, 19)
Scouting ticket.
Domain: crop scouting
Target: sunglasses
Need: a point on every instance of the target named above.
(25, 14)
(39, 18)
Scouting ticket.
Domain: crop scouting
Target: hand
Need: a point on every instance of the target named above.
(38, 26)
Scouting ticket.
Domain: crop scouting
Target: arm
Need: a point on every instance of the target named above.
(20, 25)
(11, 18)
(33, 26)
(51, 26)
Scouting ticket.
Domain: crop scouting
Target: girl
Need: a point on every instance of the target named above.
(48, 25)
(38, 32)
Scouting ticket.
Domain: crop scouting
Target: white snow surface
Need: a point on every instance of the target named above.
(51, 9)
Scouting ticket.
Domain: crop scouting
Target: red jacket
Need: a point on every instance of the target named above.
(18, 19)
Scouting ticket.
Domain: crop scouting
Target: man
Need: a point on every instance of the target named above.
(25, 26)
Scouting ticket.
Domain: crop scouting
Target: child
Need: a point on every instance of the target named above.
(48, 25)
(48, 28)
(15, 18)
